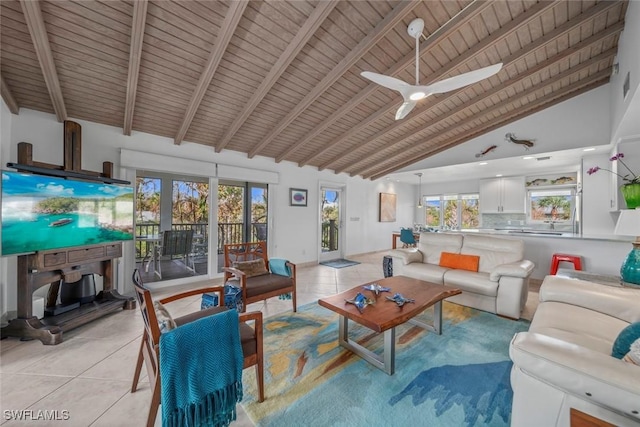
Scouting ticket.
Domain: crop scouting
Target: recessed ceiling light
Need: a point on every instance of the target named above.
(528, 157)
(483, 163)
(589, 149)
(499, 175)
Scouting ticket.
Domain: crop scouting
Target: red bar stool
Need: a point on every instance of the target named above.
(557, 258)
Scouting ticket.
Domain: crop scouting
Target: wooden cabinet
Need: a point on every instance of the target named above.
(502, 195)
(49, 267)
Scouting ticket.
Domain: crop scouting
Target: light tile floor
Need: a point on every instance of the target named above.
(89, 374)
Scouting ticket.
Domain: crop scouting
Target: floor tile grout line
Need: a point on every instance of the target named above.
(126, 393)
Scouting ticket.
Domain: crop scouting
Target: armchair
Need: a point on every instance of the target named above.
(250, 338)
(262, 283)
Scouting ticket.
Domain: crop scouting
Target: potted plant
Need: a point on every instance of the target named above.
(631, 188)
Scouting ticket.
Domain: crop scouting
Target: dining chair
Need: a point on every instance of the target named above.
(407, 238)
(149, 353)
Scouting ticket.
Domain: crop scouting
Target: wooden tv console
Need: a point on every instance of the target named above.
(49, 267)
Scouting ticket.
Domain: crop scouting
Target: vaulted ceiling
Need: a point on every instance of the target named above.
(281, 79)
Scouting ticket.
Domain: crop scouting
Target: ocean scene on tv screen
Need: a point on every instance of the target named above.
(41, 213)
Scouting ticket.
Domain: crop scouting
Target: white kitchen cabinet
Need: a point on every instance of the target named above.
(502, 195)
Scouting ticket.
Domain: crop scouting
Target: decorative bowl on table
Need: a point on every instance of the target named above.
(400, 299)
(360, 301)
(376, 288)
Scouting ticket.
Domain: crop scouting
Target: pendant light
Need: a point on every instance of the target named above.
(419, 189)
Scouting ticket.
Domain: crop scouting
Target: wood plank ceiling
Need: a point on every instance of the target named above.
(281, 79)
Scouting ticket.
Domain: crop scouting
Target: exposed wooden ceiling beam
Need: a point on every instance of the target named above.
(479, 48)
(519, 114)
(607, 55)
(377, 34)
(231, 20)
(35, 23)
(425, 149)
(308, 29)
(8, 97)
(512, 59)
(461, 18)
(527, 50)
(135, 54)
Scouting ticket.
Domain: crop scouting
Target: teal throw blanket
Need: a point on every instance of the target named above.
(279, 266)
(201, 372)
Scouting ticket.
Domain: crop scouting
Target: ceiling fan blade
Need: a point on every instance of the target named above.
(461, 80)
(386, 81)
(405, 109)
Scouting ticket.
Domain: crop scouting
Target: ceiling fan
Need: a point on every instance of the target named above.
(414, 93)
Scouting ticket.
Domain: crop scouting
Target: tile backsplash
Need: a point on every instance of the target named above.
(502, 220)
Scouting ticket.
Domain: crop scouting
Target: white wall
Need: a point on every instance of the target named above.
(576, 122)
(294, 230)
(625, 112)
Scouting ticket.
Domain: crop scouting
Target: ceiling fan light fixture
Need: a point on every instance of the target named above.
(417, 96)
(411, 93)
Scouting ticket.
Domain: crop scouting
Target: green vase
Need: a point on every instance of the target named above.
(631, 194)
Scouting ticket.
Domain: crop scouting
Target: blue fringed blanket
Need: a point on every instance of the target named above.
(201, 372)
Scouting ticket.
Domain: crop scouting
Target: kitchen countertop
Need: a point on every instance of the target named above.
(557, 234)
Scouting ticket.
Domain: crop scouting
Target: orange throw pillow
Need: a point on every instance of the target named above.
(459, 261)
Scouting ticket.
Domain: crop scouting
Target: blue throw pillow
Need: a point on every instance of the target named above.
(626, 337)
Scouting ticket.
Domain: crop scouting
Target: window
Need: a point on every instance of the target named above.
(432, 209)
(555, 205)
(452, 211)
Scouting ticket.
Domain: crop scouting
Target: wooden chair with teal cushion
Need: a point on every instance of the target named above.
(149, 353)
(247, 266)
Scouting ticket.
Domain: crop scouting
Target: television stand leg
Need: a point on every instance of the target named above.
(113, 295)
(34, 329)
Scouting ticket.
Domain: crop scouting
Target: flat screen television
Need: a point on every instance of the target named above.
(42, 213)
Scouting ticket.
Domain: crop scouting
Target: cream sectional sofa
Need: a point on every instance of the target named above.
(501, 284)
(564, 361)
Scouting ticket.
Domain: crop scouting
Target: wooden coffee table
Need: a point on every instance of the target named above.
(384, 315)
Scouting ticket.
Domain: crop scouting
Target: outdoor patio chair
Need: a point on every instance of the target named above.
(247, 266)
(175, 243)
(250, 338)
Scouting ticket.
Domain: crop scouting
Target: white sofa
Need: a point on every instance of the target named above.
(501, 284)
(564, 361)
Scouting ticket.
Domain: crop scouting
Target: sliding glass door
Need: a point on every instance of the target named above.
(242, 214)
(172, 226)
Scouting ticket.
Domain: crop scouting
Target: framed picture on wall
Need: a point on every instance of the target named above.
(387, 212)
(297, 197)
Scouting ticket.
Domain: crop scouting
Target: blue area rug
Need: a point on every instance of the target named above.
(459, 378)
(339, 263)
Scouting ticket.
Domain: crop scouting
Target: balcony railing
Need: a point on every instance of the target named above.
(228, 232)
(330, 236)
